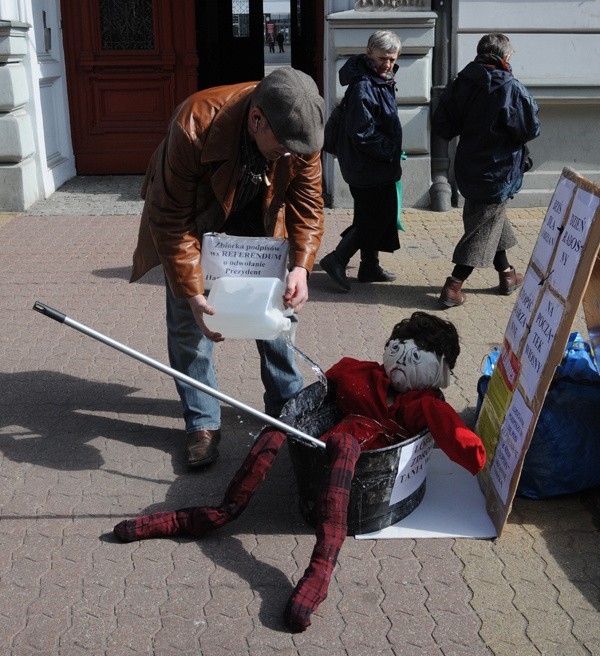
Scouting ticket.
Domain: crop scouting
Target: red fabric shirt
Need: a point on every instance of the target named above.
(362, 388)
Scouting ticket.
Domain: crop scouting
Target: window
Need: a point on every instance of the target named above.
(126, 24)
(240, 10)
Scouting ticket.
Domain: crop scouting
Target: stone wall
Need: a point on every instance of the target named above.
(18, 177)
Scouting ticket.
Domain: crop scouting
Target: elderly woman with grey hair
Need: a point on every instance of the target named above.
(369, 148)
(494, 115)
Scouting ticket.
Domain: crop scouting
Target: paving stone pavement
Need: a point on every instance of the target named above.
(90, 436)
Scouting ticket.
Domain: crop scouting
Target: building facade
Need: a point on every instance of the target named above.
(557, 56)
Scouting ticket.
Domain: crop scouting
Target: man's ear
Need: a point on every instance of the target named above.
(255, 117)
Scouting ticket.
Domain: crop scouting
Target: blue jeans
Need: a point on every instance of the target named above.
(191, 353)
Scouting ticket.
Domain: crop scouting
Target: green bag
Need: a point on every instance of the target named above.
(399, 195)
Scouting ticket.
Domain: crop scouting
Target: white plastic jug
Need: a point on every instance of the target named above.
(248, 308)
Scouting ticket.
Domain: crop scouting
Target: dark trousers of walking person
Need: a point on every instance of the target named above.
(373, 229)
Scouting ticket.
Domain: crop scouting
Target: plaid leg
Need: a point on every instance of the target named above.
(158, 524)
(343, 451)
(243, 485)
(200, 520)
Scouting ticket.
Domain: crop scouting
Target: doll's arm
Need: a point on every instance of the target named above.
(450, 433)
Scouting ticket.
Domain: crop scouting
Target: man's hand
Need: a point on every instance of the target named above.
(296, 291)
(201, 307)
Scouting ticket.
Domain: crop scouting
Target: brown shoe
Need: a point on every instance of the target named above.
(509, 281)
(202, 449)
(451, 293)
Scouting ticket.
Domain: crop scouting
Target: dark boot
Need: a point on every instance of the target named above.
(509, 281)
(334, 264)
(370, 270)
(451, 293)
(336, 270)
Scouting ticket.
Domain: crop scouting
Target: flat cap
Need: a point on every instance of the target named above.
(291, 102)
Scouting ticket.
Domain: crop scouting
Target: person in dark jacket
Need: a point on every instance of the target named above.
(494, 115)
(369, 150)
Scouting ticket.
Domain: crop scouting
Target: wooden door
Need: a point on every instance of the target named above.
(129, 64)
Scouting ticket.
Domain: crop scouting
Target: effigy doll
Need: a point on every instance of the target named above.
(404, 391)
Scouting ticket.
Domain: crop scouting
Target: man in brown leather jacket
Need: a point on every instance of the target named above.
(245, 160)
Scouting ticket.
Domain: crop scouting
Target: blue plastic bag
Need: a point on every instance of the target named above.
(564, 454)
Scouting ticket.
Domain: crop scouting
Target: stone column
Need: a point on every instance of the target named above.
(18, 175)
(348, 32)
(440, 191)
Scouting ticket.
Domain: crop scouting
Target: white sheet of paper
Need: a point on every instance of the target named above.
(550, 229)
(510, 446)
(412, 468)
(453, 507)
(572, 241)
(539, 342)
(520, 318)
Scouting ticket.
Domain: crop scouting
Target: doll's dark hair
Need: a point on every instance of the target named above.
(429, 333)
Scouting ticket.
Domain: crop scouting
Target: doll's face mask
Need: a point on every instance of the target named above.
(412, 368)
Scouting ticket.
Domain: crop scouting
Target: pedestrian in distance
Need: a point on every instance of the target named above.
(271, 42)
(244, 160)
(280, 40)
(494, 116)
(369, 150)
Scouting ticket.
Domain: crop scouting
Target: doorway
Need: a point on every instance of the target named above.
(129, 64)
(229, 38)
(278, 35)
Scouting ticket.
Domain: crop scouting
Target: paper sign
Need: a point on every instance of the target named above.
(539, 341)
(550, 232)
(520, 319)
(510, 445)
(497, 399)
(249, 257)
(412, 468)
(573, 238)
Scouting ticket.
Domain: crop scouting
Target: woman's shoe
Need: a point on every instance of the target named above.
(509, 281)
(374, 273)
(335, 270)
(452, 295)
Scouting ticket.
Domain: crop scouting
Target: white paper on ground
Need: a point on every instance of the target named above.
(453, 507)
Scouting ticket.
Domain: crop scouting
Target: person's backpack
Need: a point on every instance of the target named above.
(334, 125)
(332, 128)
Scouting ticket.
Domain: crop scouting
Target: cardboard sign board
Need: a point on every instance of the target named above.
(564, 270)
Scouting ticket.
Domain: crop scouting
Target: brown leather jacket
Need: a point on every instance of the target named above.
(190, 185)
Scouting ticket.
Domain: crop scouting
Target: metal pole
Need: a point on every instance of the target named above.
(62, 318)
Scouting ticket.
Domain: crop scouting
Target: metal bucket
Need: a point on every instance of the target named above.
(388, 483)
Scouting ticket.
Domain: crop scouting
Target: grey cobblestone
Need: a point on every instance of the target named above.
(90, 436)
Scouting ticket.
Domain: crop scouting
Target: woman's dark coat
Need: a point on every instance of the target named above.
(370, 142)
(494, 115)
